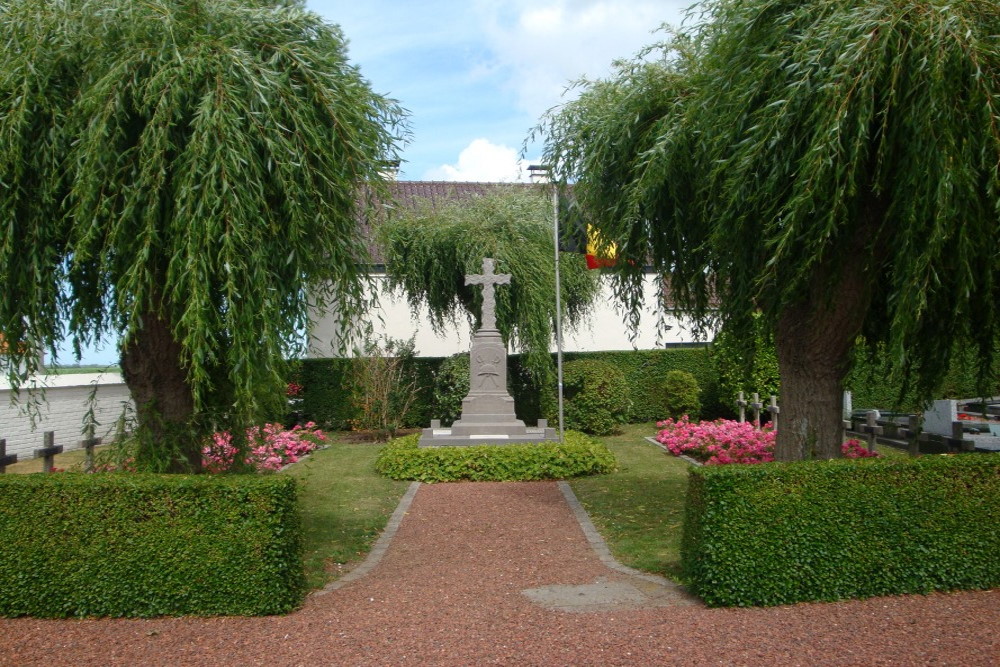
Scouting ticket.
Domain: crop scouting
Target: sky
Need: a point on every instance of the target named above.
(476, 75)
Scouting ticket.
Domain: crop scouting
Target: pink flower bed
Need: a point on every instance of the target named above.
(271, 447)
(726, 441)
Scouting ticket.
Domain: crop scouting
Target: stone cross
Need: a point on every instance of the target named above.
(756, 406)
(774, 410)
(741, 403)
(488, 279)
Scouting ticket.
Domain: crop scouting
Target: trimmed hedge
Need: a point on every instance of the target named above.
(774, 534)
(597, 397)
(327, 393)
(73, 544)
(577, 456)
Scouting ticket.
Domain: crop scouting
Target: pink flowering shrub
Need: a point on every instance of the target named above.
(719, 442)
(270, 447)
(726, 441)
(853, 449)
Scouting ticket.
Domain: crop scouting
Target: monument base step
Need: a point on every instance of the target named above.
(444, 437)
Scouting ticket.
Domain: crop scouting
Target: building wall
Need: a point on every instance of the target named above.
(604, 329)
(66, 398)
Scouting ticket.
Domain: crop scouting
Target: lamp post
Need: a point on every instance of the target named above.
(539, 174)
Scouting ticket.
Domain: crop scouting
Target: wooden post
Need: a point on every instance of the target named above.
(48, 452)
(88, 444)
(756, 406)
(741, 404)
(5, 458)
(774, 410)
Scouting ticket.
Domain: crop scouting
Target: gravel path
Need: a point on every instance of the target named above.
(449, 591)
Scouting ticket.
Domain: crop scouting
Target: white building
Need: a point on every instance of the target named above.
(605, 329)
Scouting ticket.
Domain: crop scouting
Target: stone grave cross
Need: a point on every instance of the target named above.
(488, 279)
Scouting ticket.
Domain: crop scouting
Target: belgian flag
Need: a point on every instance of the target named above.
(579, 236)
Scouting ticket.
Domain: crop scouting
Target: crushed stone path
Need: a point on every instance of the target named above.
(503, 573)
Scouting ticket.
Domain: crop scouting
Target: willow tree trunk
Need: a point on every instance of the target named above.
(813, 340)
(152, 369)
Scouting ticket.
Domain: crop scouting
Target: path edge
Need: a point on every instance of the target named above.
(598, 544)
(379, 548)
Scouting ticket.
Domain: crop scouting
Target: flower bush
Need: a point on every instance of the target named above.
(719, 442)
(270, 447)
(853, 449)
(726, 441)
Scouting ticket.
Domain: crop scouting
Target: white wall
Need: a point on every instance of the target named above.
(62, 411)
(604, 329)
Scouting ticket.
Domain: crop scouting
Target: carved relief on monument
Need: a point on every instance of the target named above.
(489, 368)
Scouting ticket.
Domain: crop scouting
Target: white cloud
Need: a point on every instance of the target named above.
(482, 160)
(540, 46)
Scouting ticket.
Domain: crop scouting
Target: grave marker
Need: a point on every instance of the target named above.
(48, 451)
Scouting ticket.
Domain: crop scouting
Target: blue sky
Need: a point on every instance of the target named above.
(476, 75)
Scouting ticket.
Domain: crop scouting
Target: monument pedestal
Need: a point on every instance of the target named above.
(488, 411)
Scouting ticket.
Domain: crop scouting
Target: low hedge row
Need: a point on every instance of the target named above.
(327, 393)
(149, 545)
(775, 534)
(577, 456)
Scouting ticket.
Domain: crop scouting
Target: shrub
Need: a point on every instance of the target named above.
(149, 545)
(383, 387)
(578, 455)
(596, 397)
(830, 530)
(681, 392)
(725, 441)
(270, 447)
(719, 442)
(451, 385)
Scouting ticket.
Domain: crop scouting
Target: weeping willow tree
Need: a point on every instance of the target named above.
(831, 165)
(177, 175)
(429, 249)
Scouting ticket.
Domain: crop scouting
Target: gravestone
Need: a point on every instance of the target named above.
(940, 416)
(488, 411)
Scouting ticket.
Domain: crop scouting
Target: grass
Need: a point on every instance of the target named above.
(77, 370)
(640, 508)
(345, 505)
(71, 460)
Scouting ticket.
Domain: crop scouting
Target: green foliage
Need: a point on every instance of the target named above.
(431, 247)
(775, 534)
(681, 395)
(832, 158)
(345, 505)
(383, 389)
(197, 164)
(578, 455)
(326, 392)
(327, 399)
(639, 508)
(146, 545)
(596, 396)
(746, 363)
(451, 385)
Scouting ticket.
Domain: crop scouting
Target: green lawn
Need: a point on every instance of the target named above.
(639, 509)
(345, 505)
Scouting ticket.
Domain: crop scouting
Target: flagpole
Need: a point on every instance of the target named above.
(536, 172)
(559, 341)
